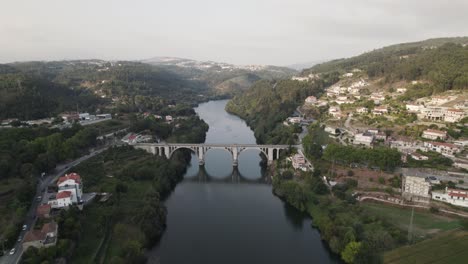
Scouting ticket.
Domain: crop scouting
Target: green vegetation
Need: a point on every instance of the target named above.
(443, 62)
(26, 153)
(435, 161)
(448, 247)
(349, 229)
(383, 158)
(267, 104)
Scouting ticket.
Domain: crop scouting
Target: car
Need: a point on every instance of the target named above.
(19, 239)
(39, 198)
(12, 251)
(25, 227)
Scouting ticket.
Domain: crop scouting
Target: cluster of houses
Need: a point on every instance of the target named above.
(166, 118)
(70, 192)
(84, 118)
(418, 188)
(439, 113)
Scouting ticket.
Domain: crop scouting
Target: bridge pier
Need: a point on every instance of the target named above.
(235, 155)
(201, 156)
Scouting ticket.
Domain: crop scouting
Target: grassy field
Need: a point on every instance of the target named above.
(424, 222)
(448, 247)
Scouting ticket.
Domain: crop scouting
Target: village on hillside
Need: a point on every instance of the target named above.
(429, 133)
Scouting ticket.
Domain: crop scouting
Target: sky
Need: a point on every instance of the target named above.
(275, 32)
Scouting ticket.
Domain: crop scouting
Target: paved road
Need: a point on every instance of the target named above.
(40, 189)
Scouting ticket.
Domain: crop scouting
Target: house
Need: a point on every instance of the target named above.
(373, 131)
(311, 100)
(416, 189)
(63, 199)
(377, 98)
(334, 111)
(169, 118)
(72, 183)
(362, 110)
(454, 115)
(70, 117)
(363, 139)
(401, 90)
(348, 74)
(298, 162)
(452, 196)
(380, 110)
(294, 120)
(417, 156)
(381, 136)
(442, 148)
(43, 211)
(46, 237)
(433, 113)
(434, 134)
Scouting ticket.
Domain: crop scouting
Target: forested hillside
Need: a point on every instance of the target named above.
(266, 104)
(27, 97)
(441, 62)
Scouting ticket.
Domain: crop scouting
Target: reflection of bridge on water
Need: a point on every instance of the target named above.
(234, 177)
(271, 152)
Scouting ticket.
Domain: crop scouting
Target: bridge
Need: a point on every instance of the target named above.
(271, 152)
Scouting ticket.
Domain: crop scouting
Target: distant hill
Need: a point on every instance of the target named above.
(224, 78)
(304, 65)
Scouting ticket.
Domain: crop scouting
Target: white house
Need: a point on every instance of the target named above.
(401, 90)
(169, 118)
(434, 134)
(298, 162)
(417, 156)
(454, 115)
(72, 183)
(334, 111)
(62, 199)
(380, 110)
(416, 189)
(363, 139)
(452, 196)
(311, 100)
(442, 148)
(362, 110)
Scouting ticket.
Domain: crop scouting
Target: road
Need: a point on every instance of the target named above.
(40, 190)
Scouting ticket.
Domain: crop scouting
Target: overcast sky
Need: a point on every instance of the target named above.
(278, 32)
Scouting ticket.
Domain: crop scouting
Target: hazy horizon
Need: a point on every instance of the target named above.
(274, 32)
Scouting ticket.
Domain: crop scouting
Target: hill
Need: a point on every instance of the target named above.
(443, 62)
(224, 78)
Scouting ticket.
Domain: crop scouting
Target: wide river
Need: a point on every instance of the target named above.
(219, 215)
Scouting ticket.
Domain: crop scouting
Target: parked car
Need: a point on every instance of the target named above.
(19, 239)
(25, 227)
(12, 251)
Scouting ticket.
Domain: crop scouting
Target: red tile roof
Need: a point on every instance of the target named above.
(34, 235)
(458, 194)
(49, 227)
(63, 194)
(43, 209)
(73, 176)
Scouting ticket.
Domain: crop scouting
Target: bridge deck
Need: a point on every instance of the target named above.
(211, 145)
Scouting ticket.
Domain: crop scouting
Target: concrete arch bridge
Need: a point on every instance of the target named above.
(271, 152)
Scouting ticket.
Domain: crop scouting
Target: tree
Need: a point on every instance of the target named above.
(351, 251)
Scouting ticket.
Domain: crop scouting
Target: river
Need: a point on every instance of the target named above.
(220, 215)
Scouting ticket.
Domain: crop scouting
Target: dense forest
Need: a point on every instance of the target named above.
(441, 62)
(267, 104)
(29, 97)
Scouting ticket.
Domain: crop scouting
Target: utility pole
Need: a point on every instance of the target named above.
(410, 228)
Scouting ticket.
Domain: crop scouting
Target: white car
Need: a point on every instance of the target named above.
(12, 251)
(25, 227)
(19, 239)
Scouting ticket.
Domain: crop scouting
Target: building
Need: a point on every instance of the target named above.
(70, 117)
(362, 110)
(380, 110)
(334, 111)
(169, 118)
(45, 237)
(401, 90)
(365, 139)
(332, 130)
(434, 134)
(454, 115)
(63, 199)
(433, 113)
(452, 196)
(416, 189)
(298, 162)
(43, 211)
(418, 156)
(442, 148)
(381, 136)
(311, 100)
(72, 183)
